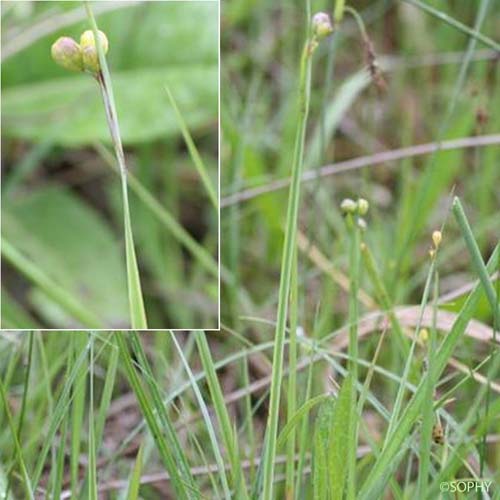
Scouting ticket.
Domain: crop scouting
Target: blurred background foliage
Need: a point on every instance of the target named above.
(60, 198)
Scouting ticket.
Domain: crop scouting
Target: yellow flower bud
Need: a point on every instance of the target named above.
(67, 53)
(436, 238)
(89, 50)
(423, 335)
(363, 206)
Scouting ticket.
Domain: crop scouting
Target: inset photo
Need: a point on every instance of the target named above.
(110, 165)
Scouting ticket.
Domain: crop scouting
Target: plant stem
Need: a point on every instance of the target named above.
(359, 21)
(136, 302)
(338, 12)
(428, 409)
(292, 378)
(286, 270)
(354, 265)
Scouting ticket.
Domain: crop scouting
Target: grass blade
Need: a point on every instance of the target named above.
(135, 478)
(477, 259)
(228, 435)
(320, 465)
(193, 151)
(456, 24)
(206, 418)
(45, 283)
(24, 472)
(297, 417)
(92, 482)
(171, 452)
(338, 445)
(22, 411)
(61, 453)
(80, 347)
(60, 411)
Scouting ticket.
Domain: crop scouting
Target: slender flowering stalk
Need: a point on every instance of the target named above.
(97, 61)
(353, 211)
(319, 31)
(89, 56)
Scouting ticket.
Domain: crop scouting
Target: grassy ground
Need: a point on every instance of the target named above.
(384, 380)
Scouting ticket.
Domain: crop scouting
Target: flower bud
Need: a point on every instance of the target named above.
(436, 238)
(363, 206)
(362, 224)
(348, 206)
(321, 25)
(423, 335)
(67, 53)
(89, 50)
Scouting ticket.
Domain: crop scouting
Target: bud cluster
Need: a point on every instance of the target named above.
(358, 208)
(79, 57)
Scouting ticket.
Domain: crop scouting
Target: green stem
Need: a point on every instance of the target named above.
(338, 12)
(92, 468)
(359, 21)
(292, 379)
(136, 302)
(428, 410)
(286, 271)
(354, 264)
